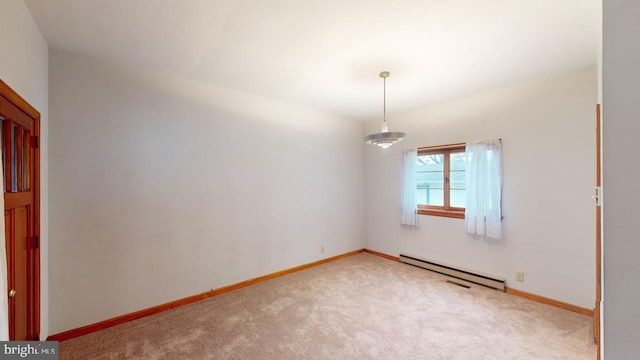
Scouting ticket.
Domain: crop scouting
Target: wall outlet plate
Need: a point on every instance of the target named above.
(520, 276)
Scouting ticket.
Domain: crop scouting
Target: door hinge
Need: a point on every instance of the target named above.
(35, 142)
(33, 242)
(597, 196)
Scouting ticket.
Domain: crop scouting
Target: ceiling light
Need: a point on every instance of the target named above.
(384, 138)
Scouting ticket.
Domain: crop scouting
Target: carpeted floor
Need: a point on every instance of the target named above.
(362, 307)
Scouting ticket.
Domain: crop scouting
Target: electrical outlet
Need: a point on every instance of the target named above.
(520, 276)
(322, 249)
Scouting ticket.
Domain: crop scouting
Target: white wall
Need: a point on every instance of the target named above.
(621, 176)
(548, 133)
(162, 188)
(24, 67)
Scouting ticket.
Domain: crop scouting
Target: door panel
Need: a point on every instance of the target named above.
(16, 221)
(20, 257)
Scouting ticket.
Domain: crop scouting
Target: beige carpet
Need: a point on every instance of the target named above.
(362, 307)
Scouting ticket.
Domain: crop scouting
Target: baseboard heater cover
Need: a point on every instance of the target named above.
(464, 274)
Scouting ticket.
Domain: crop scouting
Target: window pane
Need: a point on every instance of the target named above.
(435, 178)
(457, 179)
(427, 195)
(14, 160)
(436, 197)
(24, 160)
(457, 161)
(431, 162)
(458, 198)
(430, 180)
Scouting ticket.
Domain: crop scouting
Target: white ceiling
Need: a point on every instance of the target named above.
(326, 54)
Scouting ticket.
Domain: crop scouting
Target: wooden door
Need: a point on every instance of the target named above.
(19, 133)
(596, 310)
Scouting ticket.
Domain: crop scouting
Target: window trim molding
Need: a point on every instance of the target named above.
(450, 212)
(456, 214)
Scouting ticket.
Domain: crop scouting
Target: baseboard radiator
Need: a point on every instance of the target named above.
(456, 272)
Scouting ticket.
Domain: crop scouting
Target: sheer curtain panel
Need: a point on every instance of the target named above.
(483, 211)
(409, 184)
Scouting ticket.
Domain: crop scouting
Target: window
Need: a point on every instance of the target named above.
(15, 146)
(441, 185)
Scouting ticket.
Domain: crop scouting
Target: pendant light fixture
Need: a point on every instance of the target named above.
(384, 138)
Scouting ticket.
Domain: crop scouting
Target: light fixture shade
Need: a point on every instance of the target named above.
(385, 138)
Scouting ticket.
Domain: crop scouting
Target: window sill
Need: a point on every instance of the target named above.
(442, 213)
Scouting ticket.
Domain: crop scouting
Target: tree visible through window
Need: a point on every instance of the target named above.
(441, 187)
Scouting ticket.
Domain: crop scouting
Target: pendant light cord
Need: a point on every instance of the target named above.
(384, 76)
(384, 100)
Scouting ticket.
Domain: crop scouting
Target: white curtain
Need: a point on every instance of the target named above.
(409, 183)
(4, 306)
(483, 211)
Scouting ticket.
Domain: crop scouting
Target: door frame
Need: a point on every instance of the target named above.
(33, 273)
(596, 310)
